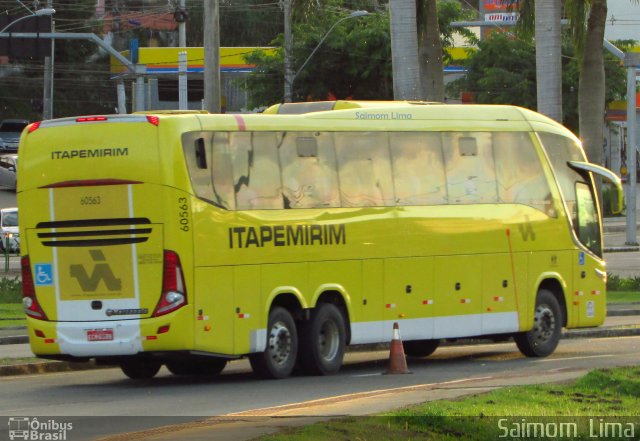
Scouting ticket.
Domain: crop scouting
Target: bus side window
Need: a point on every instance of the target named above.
(418, 169)
(364, 169)
(221, 172)
(309, 172)
(470, 168)
(256, 170)
(521, 179)
(197, 147)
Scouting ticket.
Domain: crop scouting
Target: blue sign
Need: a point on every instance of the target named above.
(581, 258)
(44, 274)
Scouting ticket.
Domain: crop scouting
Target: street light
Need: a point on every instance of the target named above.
(293, 77)
(37, 13)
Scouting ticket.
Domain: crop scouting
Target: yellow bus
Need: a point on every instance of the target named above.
(190, 239)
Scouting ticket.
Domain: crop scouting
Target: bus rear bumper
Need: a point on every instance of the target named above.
(86, 339)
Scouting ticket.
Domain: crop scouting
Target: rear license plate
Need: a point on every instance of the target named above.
(100, 335)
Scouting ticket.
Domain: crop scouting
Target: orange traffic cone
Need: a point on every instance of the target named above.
(397, 360)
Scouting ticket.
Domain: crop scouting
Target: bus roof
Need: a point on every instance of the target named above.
(321, 106)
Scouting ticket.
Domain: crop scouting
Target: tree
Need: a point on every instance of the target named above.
(430, 54)
(587, 20)
(357, 50)
(503, 71)
(591, 89)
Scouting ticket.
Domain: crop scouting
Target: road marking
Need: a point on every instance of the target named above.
(347, 397)
(367, 375)
(576, 358)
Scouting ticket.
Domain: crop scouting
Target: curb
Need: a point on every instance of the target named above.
(45, 367)
(14, 340)
(624, 249)
(623, 313)
(622, 331)
(67, 366)
(619, 228)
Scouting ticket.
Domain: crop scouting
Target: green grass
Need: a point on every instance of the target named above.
(11, 310)
(623, 296)
(601, 394)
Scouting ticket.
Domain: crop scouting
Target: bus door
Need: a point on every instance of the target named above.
(589, 299)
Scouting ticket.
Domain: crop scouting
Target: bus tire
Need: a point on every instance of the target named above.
(420, 348)
(323, 339)
(279, 357)
(543, 338)
(140, 369)
(209, 367)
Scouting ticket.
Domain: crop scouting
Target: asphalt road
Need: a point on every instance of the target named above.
(357, 389)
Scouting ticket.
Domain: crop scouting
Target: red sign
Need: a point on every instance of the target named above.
(499, 6)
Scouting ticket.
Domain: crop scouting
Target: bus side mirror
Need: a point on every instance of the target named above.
(606, 174)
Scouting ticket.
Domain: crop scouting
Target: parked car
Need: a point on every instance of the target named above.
(8, 170)
(9, 230)
(10, 131)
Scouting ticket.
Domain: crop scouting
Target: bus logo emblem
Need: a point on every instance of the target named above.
(101, 272)
(526, 230)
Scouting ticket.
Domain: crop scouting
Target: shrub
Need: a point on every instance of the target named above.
(617, 283)
(10, 290)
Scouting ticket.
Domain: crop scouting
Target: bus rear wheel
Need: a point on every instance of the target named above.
(140, 369)
(323, 339)
(204, 367)
(543, 338)
(420, 348)
(279, 357)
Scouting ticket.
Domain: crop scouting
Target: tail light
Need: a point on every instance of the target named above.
(29, 301)
(174, 293)
(33, 127)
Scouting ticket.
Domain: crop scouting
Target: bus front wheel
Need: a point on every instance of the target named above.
(543, 338)
(323, 339)
(140, 369)
(279, 357)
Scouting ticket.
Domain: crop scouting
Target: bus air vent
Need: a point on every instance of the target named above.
(94, 232)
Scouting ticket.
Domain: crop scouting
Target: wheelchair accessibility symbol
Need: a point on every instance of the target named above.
(44, 274)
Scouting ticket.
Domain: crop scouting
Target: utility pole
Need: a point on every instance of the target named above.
(288, 52)
(631, 62)
(548, 62)
(212, 56)
(182, 25)
(47, 98)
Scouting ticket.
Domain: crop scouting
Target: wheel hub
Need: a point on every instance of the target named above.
(545, 323)
(328, 340)
(280, 342)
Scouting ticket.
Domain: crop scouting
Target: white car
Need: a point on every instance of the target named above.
(8, 169)
(9, 230)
